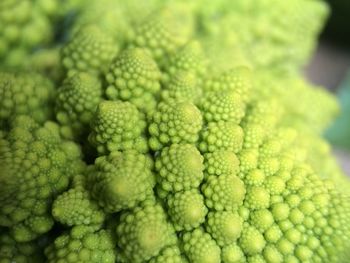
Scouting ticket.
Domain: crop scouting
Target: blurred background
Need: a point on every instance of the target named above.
(330, 67)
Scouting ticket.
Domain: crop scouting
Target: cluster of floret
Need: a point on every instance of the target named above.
(25, 26)
(36, 165)
(256, 33)
(149, 152)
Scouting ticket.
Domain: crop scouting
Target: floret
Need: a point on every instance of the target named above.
(174, 122)
(25, 252)
(190, 58)
(183, 85)
(224, 192)
(121, 180)
(199, 246)
(36, 165)
(262, 219)
(220, 162)
(75, 207)
(134, 76)
(257, 198)
(47, 62)
(237, 80)
(179, 167)
(316, 107)
(254, 135)
(76, 103)
(109, 15)
(248, 160)
(23, 10)
(25, 93)
(165, 30)
(143, 232)
(251, 241)
(26, 25)
(117, 125)
(266, 114)
(91, 50)
(232, 254)
(171, 254)
(186, 209)
(32, 227)
(223, 106)
(221, 136)
(81, 244)
(225, 227)
(254, 177)
(279, 186)
(267, 39)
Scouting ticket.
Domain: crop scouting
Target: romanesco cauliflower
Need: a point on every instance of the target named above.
(158, 146)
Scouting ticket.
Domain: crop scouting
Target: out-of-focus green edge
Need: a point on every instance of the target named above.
(339, 133)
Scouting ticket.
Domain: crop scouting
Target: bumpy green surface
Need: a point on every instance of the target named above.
(186, 209)
(117, 125)
(190, 58)
(184, 85)
(225, 226)
(223, 106)
(76, 103)
(91, 50)
(121, 180)
(25, 93)
(134, 76)
(75, 207)
(190, 159)
(225, 192)
(315, 110)
(174, 122)
(267, 39)
(36, 165)
(220, 162)
(26, 25)
(236, 79)
(24, 252)
(82, 245)
(221, 136)
(179, 167)
(143, 232)
(199, 246)
(165, 30)
(171, 254)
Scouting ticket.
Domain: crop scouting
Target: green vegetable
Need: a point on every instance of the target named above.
(25, 93)
(179, 167)
(36, 164)
(25, 25)
(90, 50)
(134, 76)
(12, 251)
(76, 103)
(154, 149)
(174, 122)
(121, 180)
(186, 209)
(76, 207)
(144, 231)
(82, 245)
(117, 126)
